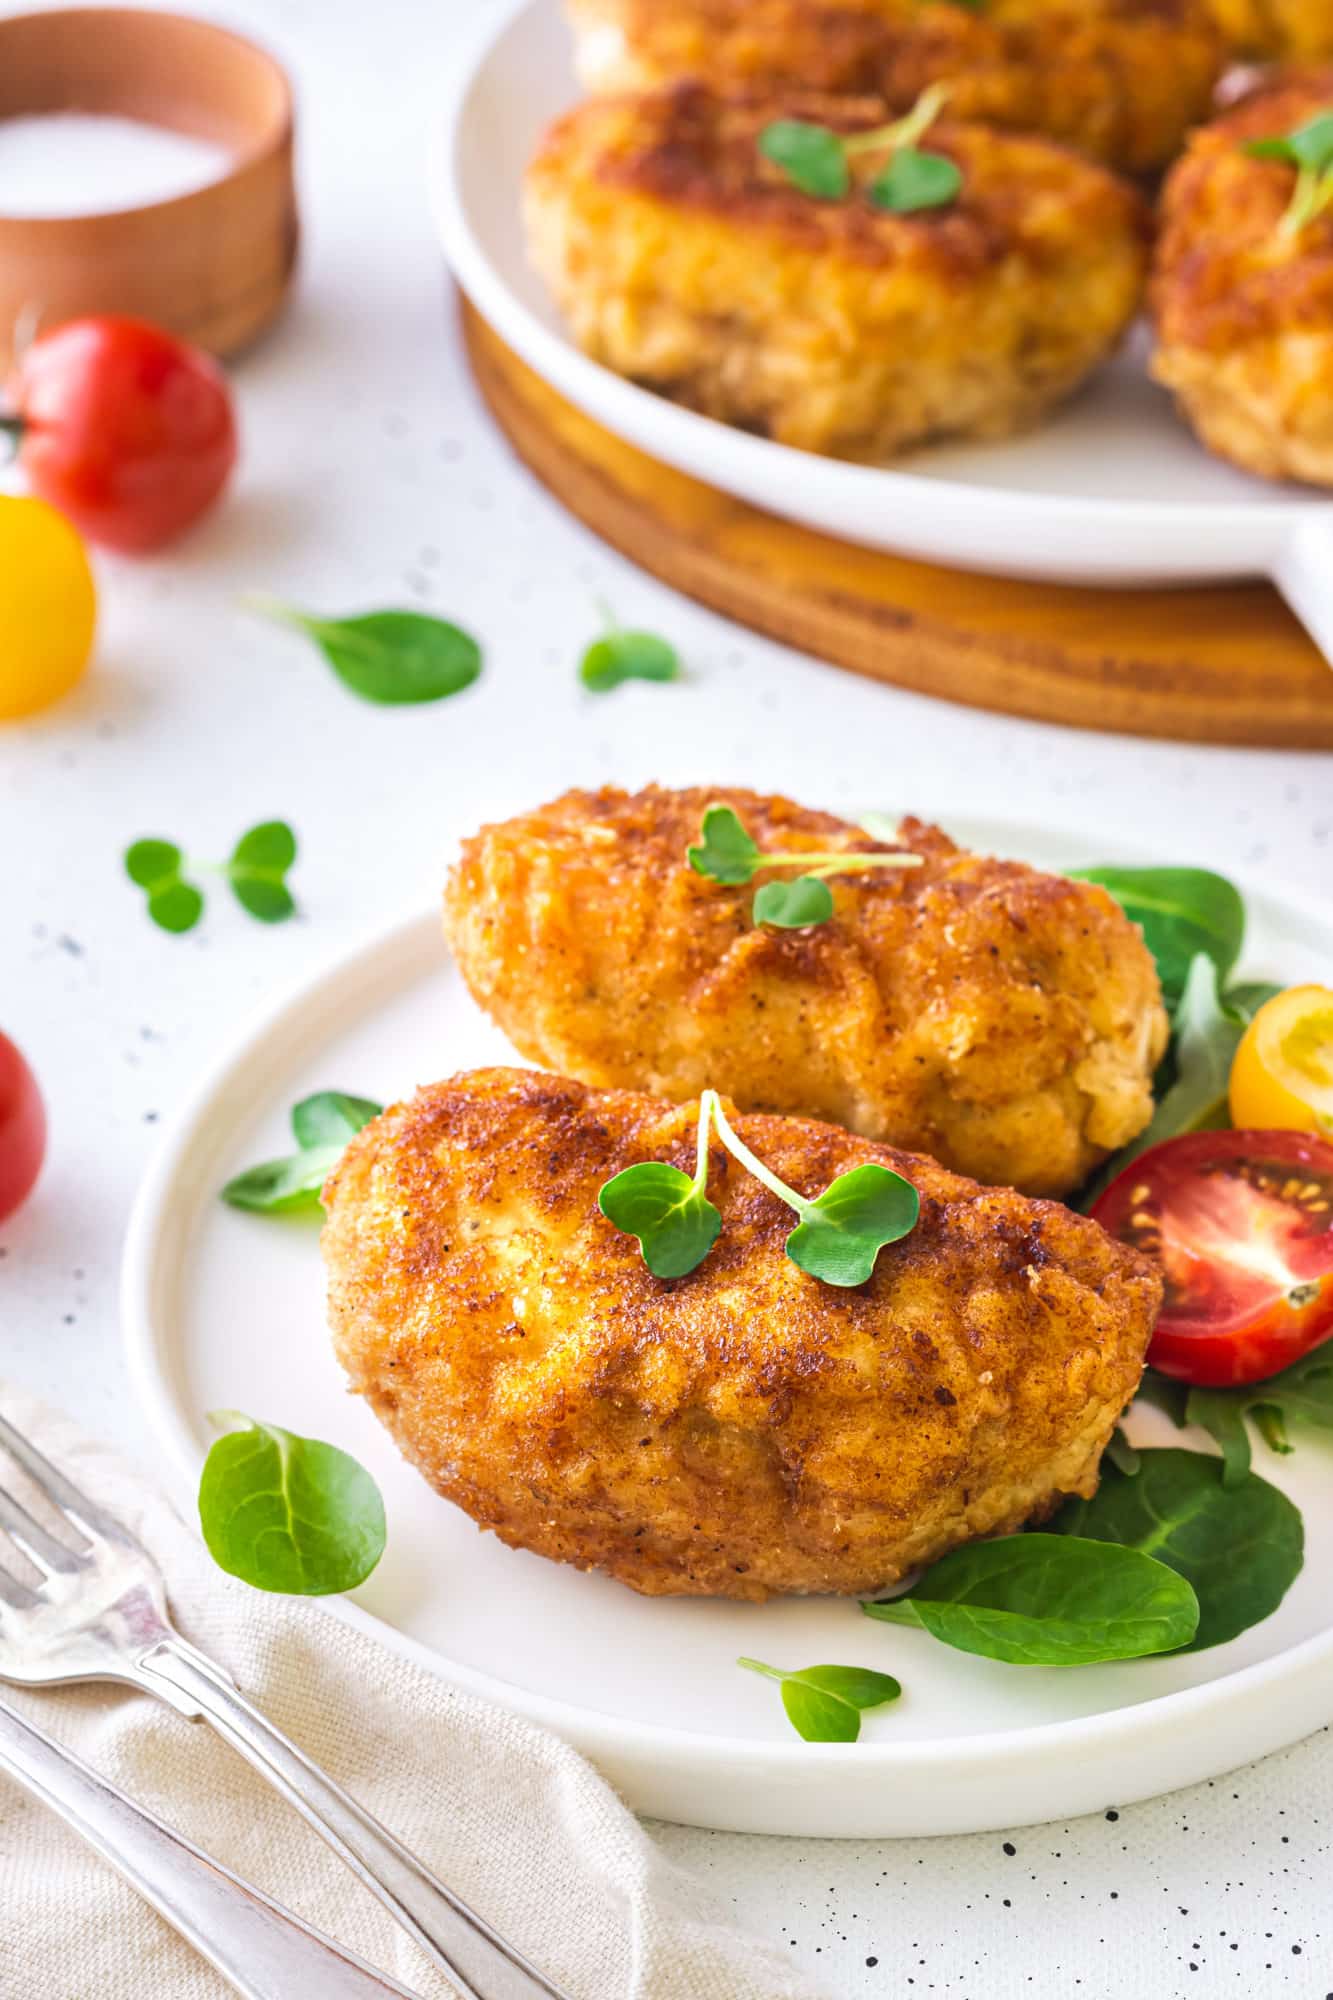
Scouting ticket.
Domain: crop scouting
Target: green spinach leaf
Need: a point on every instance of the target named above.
(1182, 912)
(288, 1513)
(825, 1704)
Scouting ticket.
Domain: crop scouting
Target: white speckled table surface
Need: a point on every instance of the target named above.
(371, 475)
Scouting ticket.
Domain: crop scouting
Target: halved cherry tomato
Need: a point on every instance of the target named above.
(22, 1128)
(1242, 1224)
(1283, 1071)
(124, 428)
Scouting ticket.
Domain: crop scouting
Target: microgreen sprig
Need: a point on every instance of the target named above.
(825, 1704)
(726, 853)
(620, 655)
(390, 657)
(675, 1222)
(838, 1237)
(1310, 150)
(256, 870)
(818, 160)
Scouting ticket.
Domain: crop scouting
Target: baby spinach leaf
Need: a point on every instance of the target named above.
(914, 180)
(322, 1125)
(1182, 912)
(1239, 1543)
(390, 657)
(257, 871)
(288, 1513)
(627, 656)
(824, 1704)
(1050, 1600)
(1302, 1393)
(792, 906)
(1207, 1033)
(283, 1187)
(811, 156)
(1123, 1455)
(841, 1234)
(725, 852)
(331, 1117)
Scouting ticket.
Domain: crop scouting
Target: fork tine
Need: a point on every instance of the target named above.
(41, 1547)
(17, 1595)
(61, 1492)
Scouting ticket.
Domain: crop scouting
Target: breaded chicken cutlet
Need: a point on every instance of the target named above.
(1120, 80)
(1005, 1021)
(1293, 30)
(747, 1429)
(685, 259)
(1242, 300)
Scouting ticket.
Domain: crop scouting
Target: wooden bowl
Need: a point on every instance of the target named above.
(214, 264)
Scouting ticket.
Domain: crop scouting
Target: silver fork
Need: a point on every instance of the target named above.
(99, 1612)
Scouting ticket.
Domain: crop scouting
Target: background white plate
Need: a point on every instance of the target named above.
(226, 1310)
(1114, 490)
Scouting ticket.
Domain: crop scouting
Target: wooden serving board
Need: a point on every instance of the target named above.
(1214, 665)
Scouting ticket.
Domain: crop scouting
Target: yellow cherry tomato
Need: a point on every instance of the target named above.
(48, 606)
(1282, 1077)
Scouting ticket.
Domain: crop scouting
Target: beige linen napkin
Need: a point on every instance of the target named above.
(507, 1815)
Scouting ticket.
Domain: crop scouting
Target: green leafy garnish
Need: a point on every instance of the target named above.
(817, 160)
(1310, 150)
(1302, 1393)
(288, 1513)
(1238, 1542)
(1206, 1033)
(1050, 1601)
(390, 657)
(726, 853)
(256, 869)
(841, 1233)
(155, 866)
(675, 1222)
(1182, 912)
(838, 1238)
(620, 656)
(793, 906)
(813, 157)
(321, 1126)
(825, 1704)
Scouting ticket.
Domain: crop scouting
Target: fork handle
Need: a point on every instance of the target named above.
(480, 1963)
(265, 1952)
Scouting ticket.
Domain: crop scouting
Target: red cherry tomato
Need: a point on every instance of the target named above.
(22, 1128)
(1242, 1224)
(124, 428)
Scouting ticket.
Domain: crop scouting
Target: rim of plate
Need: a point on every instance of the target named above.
(598, 1734)
(622, 406)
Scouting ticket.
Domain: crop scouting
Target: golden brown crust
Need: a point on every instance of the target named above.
(1122, 80)
(1006, 1021)
(1297, 30)
(743, 1430)
(1243, 308)
(684, 259)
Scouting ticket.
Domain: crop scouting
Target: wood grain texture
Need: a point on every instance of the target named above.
(1214, 665)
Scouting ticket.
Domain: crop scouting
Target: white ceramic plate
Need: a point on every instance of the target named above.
(1114, 490)
(226, 1310)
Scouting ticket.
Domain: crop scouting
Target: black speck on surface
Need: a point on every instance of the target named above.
(1009, 1847)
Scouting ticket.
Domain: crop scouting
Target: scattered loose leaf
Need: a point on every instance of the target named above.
(725, 851)
(915, 180)
(627, 656)
(331, 1117)
(812, 157)
(288, 1513)
(393, 658)
(322, 1125)
(1050, 1600)
(155, 866)
(257, 871)
(825, 1704)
